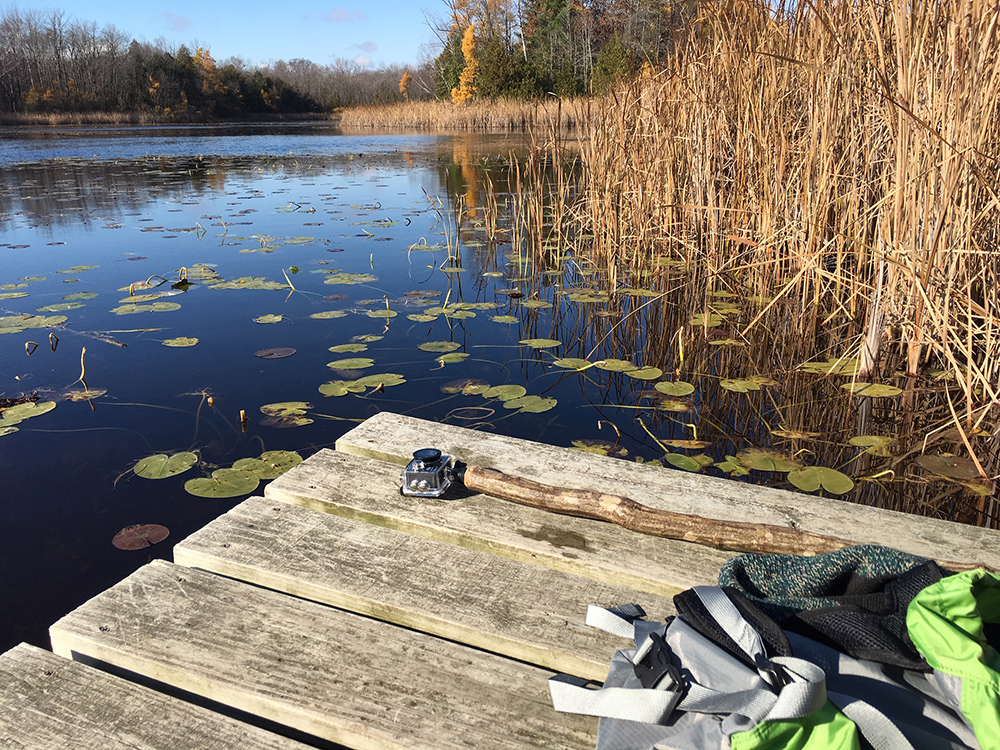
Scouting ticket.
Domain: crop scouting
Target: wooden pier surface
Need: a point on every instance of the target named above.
(332, 611)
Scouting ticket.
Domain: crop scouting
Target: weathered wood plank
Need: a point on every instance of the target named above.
(368, 490)
(391, 437)
(525, 611)
(47, 701)
(332, 674)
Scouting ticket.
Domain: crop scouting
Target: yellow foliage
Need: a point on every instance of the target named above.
(465, 89)
(404, 85)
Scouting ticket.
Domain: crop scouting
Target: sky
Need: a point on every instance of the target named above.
(372, 34)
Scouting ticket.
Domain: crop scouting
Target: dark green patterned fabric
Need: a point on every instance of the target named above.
(784, 585)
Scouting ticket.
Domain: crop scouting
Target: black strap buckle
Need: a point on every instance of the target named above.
(655, 665)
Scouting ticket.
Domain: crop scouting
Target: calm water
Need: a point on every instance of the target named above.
(86, 214)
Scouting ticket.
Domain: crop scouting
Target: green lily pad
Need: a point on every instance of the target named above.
(6, 430)
(690, 444)
(451, 358)
(795, 434)
(682, 461)
(381, 313)
(60, 307)
(341, 388)
(532, 404)
(811, 478)
(675, 388)
(421, 318)
(541, 343)
(349, 278)
(329, 315)
(733, 467)
(269, 318)
(767, 460)
(223, 483)
(873, 390)
(600, 448)
(18, 413)
(250, 282)
(351, 363)
(614, 365)
(275, 352)
(348, 348)
(710, 320)
(83, 394)
(466, 386)
(439, 346)
(286, 408)
(131, 309)
(76, 269)
(505, 392)
(270, 465)
(367, 338)
(181, 341)
(385, 379)
(672, 405)
(13, 295)
(842, 366)
(739, 386)
(536, 304)
(161, 466)
(80, 296)
(456, 314)
(876, 445)
(726, 342)
(507, 319)
(572, 363)
(645, 373)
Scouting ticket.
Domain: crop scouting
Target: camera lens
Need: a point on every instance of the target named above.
(427, 455)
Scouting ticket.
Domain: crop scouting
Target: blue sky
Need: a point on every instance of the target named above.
(374, 33)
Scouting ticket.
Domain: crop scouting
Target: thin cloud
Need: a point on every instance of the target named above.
(177, 23)
(363, 61)
(368, 47)
(343, 15)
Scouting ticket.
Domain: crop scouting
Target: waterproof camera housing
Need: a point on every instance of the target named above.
(429, 474)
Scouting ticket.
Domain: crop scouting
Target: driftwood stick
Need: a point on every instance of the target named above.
(737, 536)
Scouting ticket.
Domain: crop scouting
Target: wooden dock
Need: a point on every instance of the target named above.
(332, 611)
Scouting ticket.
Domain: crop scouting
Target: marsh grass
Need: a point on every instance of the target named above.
(834, 166)
(484, 116)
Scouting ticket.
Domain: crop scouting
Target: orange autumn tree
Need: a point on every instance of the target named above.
(404, 85)
(465, 89)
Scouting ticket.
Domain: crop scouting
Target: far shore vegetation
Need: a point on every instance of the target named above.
(834, 161)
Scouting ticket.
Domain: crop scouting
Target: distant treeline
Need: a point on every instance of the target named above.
(51, 63)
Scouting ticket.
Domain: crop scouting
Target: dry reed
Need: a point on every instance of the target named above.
(500, 116)
(836, 164)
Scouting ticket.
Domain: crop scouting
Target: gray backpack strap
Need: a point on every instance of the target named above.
(874, 725)
(731, 621)
(571, 696)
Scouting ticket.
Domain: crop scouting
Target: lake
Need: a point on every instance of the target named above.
(214, 294)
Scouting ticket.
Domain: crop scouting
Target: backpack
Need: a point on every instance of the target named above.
(860, 648)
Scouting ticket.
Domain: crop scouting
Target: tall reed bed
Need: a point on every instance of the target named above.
(499, 116)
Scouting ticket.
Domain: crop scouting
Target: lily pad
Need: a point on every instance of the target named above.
(466, 386)
(83, 394)
(572, 363)
(270, 465)
(140, 536)
(269, 318)
(277, 352)
(709, 320)
(682, 461)
(60, 307)
(600, 448)
(439, 346)
(348, 348)
(733, 467)
(286, 408)
(691, 444)
(645, 373)
(536, 304)
(876, 445)
(223, 483)
(18, 413)
(541, 343)
(505, 392)
(181, 341)
(131, 309)
(841, 366)
(873, 390)
(161, 465)
(508, 319)
(675, 388)
(341, 388)
(385, 379)
(952, 467)
(348, 278)
(421, 318)
(250, 282)
(739, 385)
(79, 296)
(351, 363)
(6, 429)
(767, 460)
(811, 478)
(672, 405)
(381, 313)
(451, 358)
(532, 404)
(367, 338)
(329, 315)
(615, 365)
